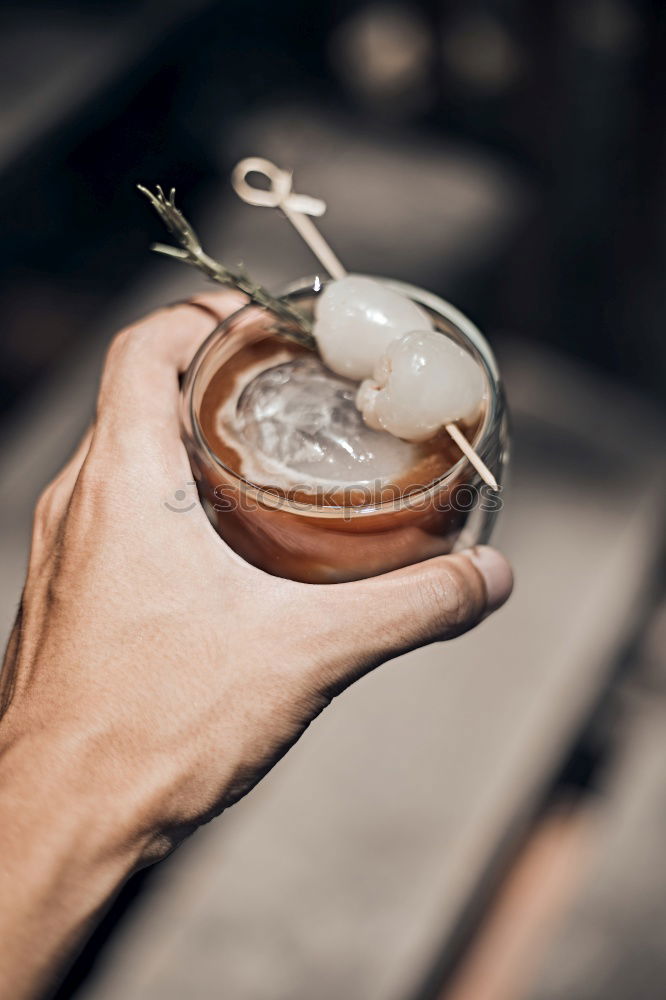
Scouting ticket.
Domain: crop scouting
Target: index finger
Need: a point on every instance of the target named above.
(139, 391)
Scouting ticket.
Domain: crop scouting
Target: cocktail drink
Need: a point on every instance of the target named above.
(312, 471)
(344, 428)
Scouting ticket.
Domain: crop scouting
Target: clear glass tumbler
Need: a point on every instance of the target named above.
(325, 542)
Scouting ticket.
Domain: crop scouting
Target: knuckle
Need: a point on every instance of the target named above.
(119, 345)
(44, 500)
(94, 488)
(117, 358)
(44, 507)
(110, 484)
(453, 593)
(127, 341)
(94, 496)
(125, 362)
(218, 304)
(92, 480)
(141, 336)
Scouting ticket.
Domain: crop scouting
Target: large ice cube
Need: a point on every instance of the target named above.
(304, 417)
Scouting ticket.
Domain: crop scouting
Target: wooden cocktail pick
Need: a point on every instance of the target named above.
(299, 208)
(457, 435)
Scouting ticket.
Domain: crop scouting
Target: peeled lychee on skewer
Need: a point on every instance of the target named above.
(356, 320)
(423, 381)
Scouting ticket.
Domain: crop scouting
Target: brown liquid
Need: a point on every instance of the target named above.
(311, 545)
(433, 458)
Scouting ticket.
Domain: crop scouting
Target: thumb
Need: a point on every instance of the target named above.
(382, 617)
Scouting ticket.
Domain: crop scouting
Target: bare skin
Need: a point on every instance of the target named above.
(141, 692)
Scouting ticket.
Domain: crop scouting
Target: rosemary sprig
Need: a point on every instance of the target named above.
(191, 252)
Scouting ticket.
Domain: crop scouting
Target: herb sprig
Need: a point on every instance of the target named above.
(190, 251)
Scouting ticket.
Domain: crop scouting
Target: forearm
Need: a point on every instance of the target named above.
(63, 855)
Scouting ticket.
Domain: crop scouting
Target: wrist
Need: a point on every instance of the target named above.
(65, 850)
(58, 799)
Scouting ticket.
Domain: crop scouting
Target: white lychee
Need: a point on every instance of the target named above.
(356, 319)
(422, 381)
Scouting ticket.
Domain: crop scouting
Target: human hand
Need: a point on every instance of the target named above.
(158, 674)
(184, 672)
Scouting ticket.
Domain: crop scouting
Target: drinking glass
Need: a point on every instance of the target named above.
(322, 541)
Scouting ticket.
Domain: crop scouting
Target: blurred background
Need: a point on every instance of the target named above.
(487, 823)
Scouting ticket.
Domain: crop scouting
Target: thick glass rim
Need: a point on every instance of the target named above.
(267, 497)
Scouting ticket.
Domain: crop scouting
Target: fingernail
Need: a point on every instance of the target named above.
(496, 573)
